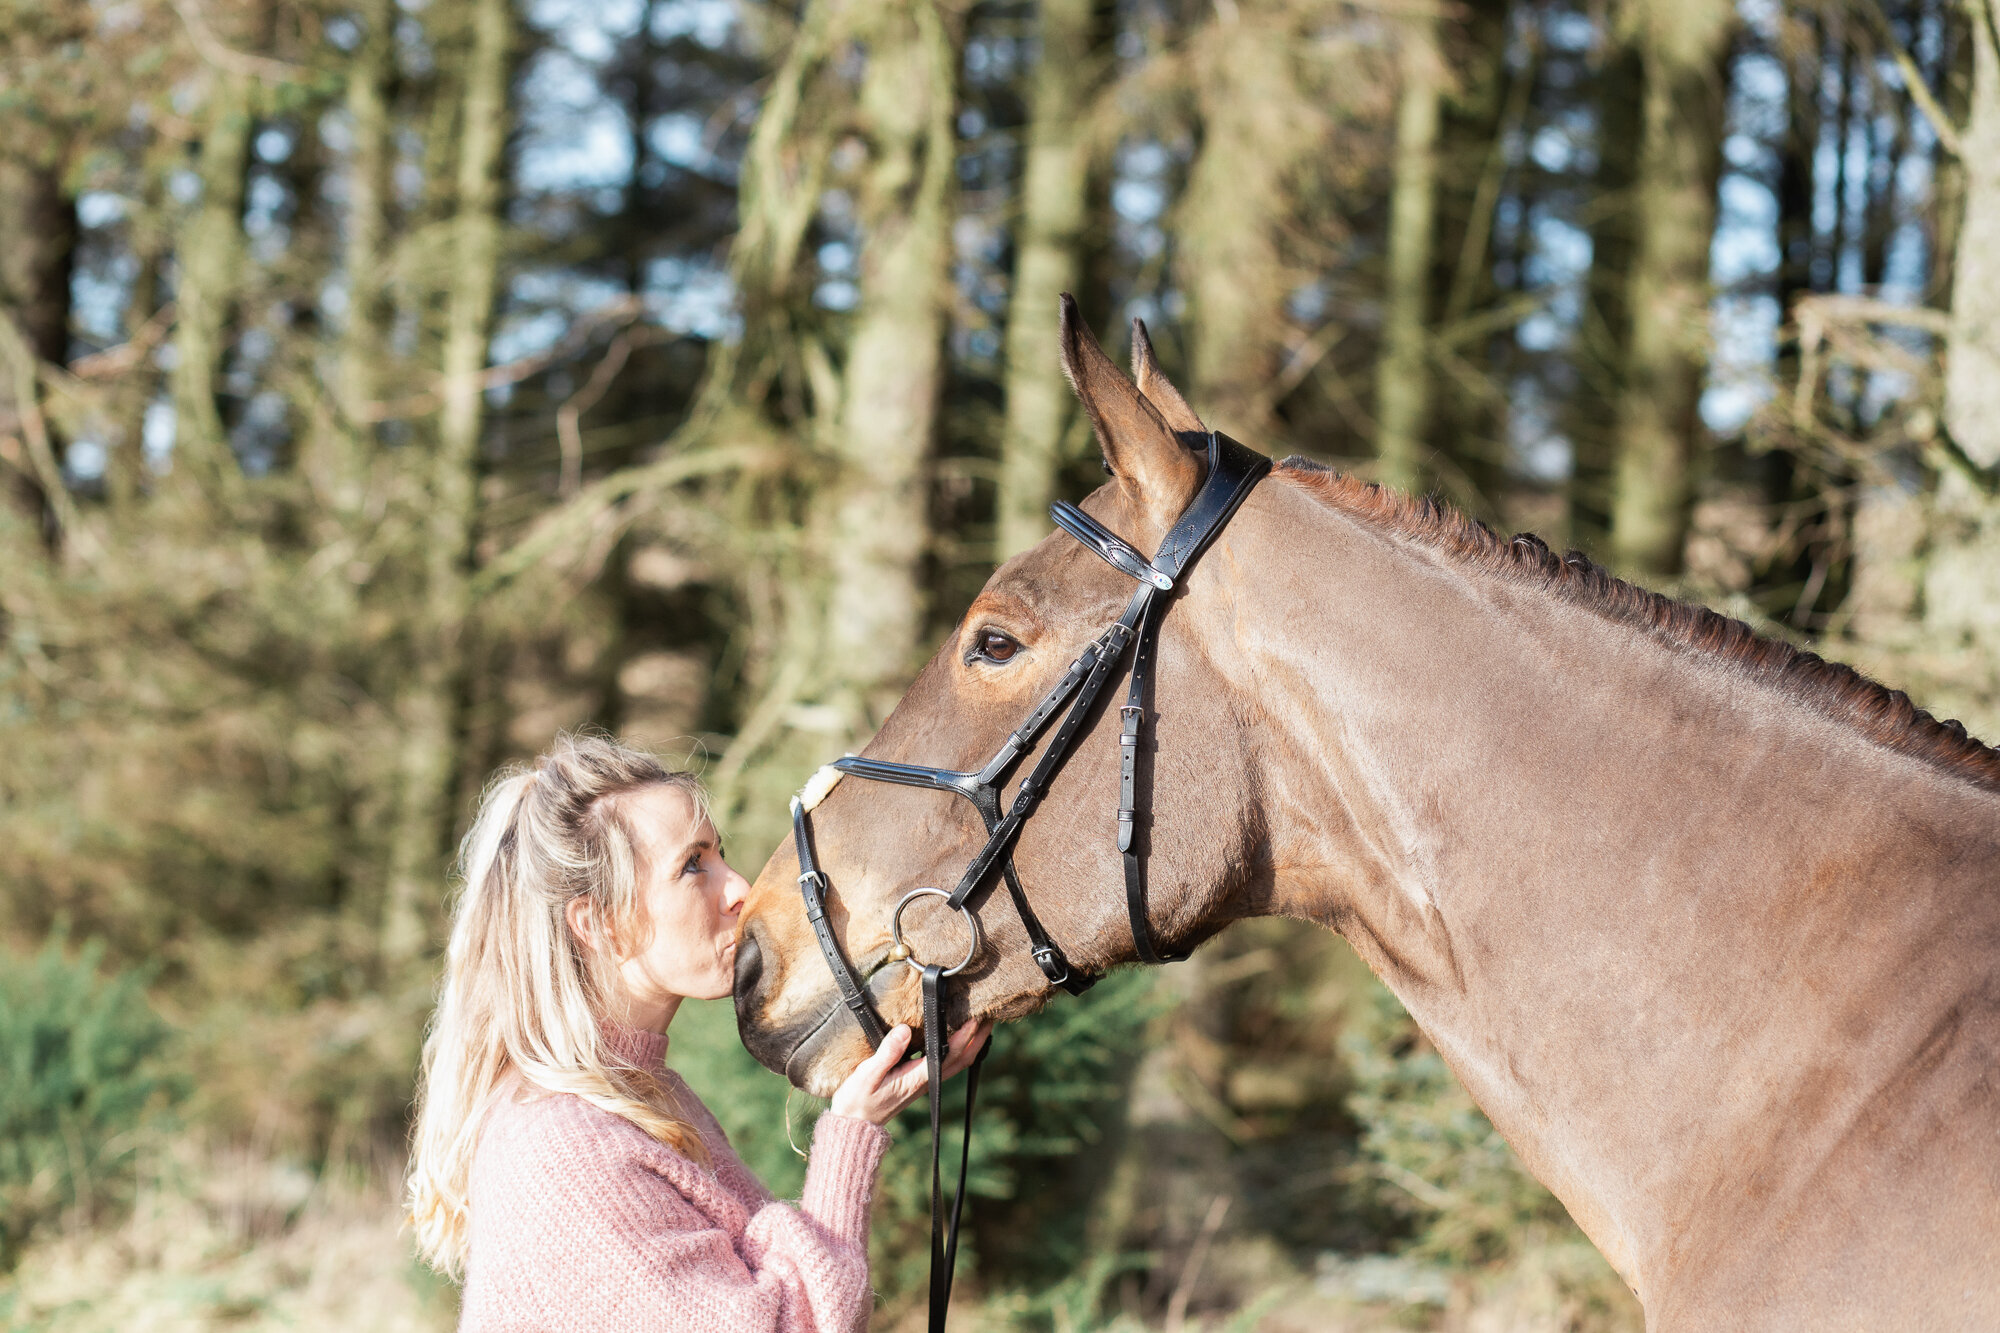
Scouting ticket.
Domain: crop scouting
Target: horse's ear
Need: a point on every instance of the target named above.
(1159, 391)
(1155, 469)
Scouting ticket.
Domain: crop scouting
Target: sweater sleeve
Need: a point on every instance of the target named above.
(824, 1240)
(598, 1233)
(840, 1176)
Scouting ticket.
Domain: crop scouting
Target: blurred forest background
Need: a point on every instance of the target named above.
(386, 384)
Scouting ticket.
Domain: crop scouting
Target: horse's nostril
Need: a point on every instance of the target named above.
(749, 966)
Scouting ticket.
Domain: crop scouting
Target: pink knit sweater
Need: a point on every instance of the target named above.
(579, 1220)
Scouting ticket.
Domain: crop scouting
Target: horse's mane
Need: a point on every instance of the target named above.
(1885, 716)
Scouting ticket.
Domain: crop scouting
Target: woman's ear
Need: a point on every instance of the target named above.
(581, 914)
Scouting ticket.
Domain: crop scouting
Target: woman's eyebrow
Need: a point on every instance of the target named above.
(701, 842)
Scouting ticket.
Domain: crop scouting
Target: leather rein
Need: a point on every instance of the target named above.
(1233, 471)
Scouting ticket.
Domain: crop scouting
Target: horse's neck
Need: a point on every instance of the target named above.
(1633, 896)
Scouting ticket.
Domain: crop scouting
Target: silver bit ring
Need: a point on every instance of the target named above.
(900, 952)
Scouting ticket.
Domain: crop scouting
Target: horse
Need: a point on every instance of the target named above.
(1707, 925)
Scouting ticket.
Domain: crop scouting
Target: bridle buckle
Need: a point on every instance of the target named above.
(1054, 966)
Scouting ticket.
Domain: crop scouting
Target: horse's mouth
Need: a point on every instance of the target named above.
(870, 970)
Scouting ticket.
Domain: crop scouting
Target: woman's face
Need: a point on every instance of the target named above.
(689, 905)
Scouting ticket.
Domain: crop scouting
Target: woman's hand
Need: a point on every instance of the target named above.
(883, 1084)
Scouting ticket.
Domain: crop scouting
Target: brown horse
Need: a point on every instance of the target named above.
(1708, 926)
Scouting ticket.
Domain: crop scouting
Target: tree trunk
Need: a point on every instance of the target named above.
(1480, 117)
(428, 707)
(1256, 124)
(1682, 46)
(1401, 375)
(1961, 568)
(208, 262)
(38, 223)
(1055, 182)
(125, 461)
(1921, 611)
(1972, 376)
(881, 528)
(343, 444)
(1604, 340)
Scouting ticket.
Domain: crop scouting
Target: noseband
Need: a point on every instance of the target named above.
(1232, 472)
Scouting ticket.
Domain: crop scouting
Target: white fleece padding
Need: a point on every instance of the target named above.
(819, 786)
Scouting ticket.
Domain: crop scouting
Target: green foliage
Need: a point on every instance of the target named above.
(1051, 1095)
(82, 1077)
(747, 1098)
(1050, 1103)
(1468, 1199)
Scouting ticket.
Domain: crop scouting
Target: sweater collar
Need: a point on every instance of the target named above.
(637, 1047)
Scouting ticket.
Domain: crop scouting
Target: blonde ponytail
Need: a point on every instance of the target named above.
(521, 995)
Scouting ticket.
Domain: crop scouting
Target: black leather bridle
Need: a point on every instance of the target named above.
(1232, 472)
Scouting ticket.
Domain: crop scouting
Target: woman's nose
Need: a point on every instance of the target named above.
(735, 889)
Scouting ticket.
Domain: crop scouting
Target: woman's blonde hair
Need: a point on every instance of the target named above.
(521, 994)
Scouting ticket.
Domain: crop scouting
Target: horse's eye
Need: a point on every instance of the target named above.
(994, 646)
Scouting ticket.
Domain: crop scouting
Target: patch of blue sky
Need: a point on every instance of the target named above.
(261, 431)
(1551, 149)
(98, 291)
(1570, 30)
(1857, 182)
(590, 29)
(1744, 338)
(1743, 255)
(84, 461)
(1567, 143)
(333, 298)
(574, 138)
(272, 144)
(336, 131)
(1559, 250)
(101, 208)
(343, 31)
(681, 138)
(1557, 261)
(994, 57)
(1881, 391)
(157, 429)
(1142, 157)
(1904, 265)
(265, 198)
(692, 296)
(1138, 200)
(413, 49)
(1745, 244)
(1914, 176)
(977, 238)
(542, 305)
(1306, 304)
(1537, 449)
(1757, 102)
(709, 23)
(837, 294)
(1761, 17)
(836, 258)
(97, 297)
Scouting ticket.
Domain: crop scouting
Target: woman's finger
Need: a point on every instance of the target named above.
(965, 1046)
(888, 1053)
(906, 1085)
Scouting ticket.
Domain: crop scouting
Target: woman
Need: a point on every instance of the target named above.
(559, 1167)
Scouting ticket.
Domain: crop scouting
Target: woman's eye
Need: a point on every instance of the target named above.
(693, 866)
(994, 646)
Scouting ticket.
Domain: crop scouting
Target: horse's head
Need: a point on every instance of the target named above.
(1037, 613)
